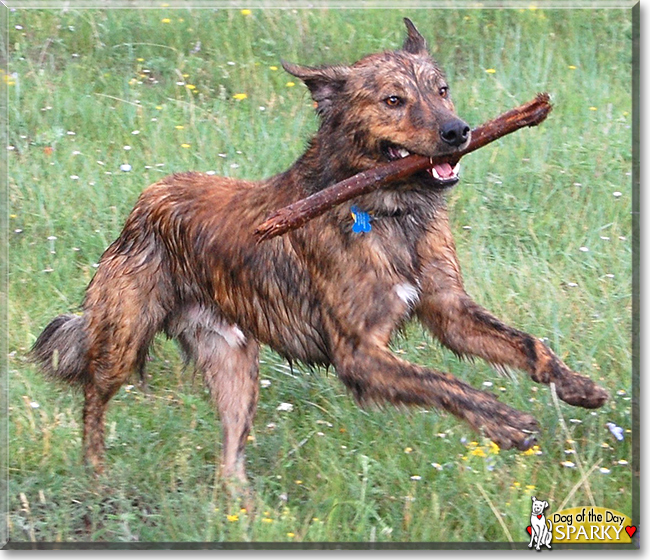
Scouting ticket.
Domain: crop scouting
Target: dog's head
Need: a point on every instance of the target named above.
(539, 506)
(390, 105)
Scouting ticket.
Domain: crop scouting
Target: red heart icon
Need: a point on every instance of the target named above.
(630, 530)
(529, 529)
(539, 516)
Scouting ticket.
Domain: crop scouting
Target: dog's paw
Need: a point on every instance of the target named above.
(511, 428)
(579, 390)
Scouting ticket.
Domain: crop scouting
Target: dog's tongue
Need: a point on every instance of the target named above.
(444, 170)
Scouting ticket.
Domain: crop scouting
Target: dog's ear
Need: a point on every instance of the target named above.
(533, 498)
(414, 42)
(324, 82)
(545, 504)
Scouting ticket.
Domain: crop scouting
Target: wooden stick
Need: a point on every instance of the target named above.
(299, 213)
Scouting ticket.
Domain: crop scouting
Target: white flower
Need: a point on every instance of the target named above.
(285, 407)
(125, 167)
(265, 383)
(617, 431)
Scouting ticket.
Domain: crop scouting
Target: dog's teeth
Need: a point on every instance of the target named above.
(403, 153)
(434, 173)
(456, 169)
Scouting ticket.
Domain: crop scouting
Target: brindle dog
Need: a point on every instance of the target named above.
(187, 263)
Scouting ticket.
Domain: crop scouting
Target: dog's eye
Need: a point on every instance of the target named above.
(444, 92)
(393, 101)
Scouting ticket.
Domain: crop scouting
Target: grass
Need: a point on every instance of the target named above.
(543, 230)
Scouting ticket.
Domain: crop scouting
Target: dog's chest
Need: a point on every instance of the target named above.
(372, 279)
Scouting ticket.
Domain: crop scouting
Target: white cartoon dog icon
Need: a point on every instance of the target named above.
(540, 533)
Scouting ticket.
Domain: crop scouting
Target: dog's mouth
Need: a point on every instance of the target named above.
(440, 176)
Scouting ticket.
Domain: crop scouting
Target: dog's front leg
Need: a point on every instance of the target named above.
(374, 374)
(466, 328)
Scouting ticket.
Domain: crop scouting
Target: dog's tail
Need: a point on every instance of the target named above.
(62, 349)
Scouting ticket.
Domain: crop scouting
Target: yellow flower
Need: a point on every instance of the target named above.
(179, 127)
(408, 449)
(491, 71)
(291, 535)
(534, 450)
(246, 12)
(593, 108)
(159, 107)
(478, 452)
(233, 517)
(240, 96)
(530, 487)
(166, 20)
(572, 67)
(267, 520)
(290, 84)
(190, 86)
(298, 481)
(517, 484)
(185, 145)
(494, 448)
(140, 59)
(273, 67)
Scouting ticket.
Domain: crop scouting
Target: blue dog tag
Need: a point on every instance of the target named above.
(361, 220)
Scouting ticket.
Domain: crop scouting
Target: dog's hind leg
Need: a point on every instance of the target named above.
(466, 328)
(125, 306)
(229, 363)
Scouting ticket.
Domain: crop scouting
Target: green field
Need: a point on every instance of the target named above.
(543, 231)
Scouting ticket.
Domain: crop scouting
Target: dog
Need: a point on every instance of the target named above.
(540, 533)
(187, 263)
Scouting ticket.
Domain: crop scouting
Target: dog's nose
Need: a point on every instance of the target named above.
(454, 132)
